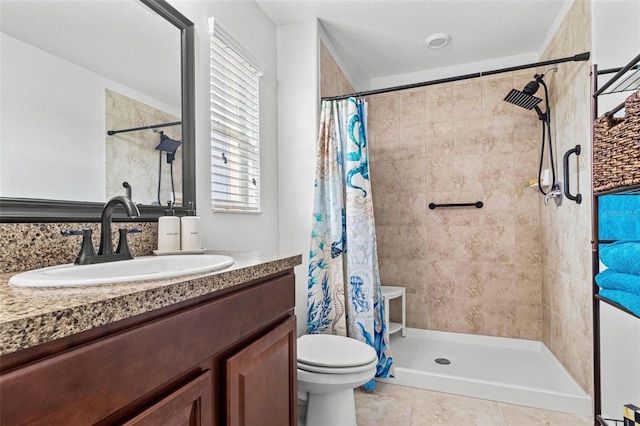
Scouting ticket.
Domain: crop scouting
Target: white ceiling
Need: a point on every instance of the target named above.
(384, 38)
(374, 38)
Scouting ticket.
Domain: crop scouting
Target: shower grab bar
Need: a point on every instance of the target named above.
(477, 204)
(565, 163)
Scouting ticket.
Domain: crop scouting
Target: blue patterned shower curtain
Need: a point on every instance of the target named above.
(343, 256)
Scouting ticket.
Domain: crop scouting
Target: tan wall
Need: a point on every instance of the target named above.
(566, 231)
(466, 270)
(332, 80)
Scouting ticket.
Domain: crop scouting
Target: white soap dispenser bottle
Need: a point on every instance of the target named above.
(169, 231)
(190, 231)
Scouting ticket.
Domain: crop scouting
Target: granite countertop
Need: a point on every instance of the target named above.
(31, 316)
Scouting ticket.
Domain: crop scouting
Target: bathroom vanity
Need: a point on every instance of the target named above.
(215, 348)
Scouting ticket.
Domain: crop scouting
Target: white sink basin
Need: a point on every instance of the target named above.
(137, 269)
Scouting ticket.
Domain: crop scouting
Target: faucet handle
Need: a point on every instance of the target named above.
(123, 245)
(87, 252)
(70, 232)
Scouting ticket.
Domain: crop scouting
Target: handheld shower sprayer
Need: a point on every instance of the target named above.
(527, 100)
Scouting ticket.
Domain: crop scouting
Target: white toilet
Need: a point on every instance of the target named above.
(329, 368)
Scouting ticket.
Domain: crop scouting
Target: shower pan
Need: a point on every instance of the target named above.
(514, 371)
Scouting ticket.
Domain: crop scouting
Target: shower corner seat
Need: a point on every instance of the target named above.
(391, 292)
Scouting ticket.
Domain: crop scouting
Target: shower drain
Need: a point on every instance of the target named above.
(442, 361)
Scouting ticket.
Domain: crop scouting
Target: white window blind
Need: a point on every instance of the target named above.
(235, 142)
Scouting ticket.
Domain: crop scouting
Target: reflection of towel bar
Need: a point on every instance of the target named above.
(477, 204)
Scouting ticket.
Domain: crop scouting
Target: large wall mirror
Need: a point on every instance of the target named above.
(95, 94)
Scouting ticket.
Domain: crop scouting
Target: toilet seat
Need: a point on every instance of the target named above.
(329, 369)
(327, 352)
(337, 370)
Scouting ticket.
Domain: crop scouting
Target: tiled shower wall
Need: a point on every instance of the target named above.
(566, 231)
(332, 80)
(465, 269)
(516, 267)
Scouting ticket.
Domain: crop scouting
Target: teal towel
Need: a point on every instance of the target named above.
(612, 280)
(622, 256)
(619, 217)
(628, 300)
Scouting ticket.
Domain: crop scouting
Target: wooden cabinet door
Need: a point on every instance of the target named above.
(190, 405)
(262, 380)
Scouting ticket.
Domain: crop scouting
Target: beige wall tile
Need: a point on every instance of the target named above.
(384, 144)
(411, 141)
(473, 258)
(498, 133)
(439, 103)
(411, 107)
(468, 136)
(500, 318)
(494, 89)
(467, 99)
(439, 139)
(332, 80)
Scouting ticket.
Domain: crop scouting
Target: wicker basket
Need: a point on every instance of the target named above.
(616, 148)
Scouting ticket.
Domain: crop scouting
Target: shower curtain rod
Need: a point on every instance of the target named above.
(153, 126)
(580, 57)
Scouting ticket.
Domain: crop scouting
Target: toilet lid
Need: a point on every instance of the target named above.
(327, 350)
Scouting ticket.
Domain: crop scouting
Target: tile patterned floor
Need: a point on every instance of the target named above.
(392, 405)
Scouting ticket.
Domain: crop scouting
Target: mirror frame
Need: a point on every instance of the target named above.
(29, 210)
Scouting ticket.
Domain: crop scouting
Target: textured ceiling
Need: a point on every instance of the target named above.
(384, 38)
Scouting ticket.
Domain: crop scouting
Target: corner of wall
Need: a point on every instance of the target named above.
(298, 115)
(555, 26)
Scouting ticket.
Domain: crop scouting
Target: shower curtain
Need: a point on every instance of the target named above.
(344, 293)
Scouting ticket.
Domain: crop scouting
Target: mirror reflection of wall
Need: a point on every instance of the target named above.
(155, 175)
(57, 59)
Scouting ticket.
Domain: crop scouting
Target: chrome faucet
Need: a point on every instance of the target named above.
(87, 255)
(106, 242)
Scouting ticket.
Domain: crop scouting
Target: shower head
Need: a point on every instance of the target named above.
(167, 144)
(523, 99)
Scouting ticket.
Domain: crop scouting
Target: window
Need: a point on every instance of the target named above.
(235, 136)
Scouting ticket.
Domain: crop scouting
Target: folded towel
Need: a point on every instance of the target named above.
(622, 256)
(628, 300)
(612, 280)
(618, 217)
